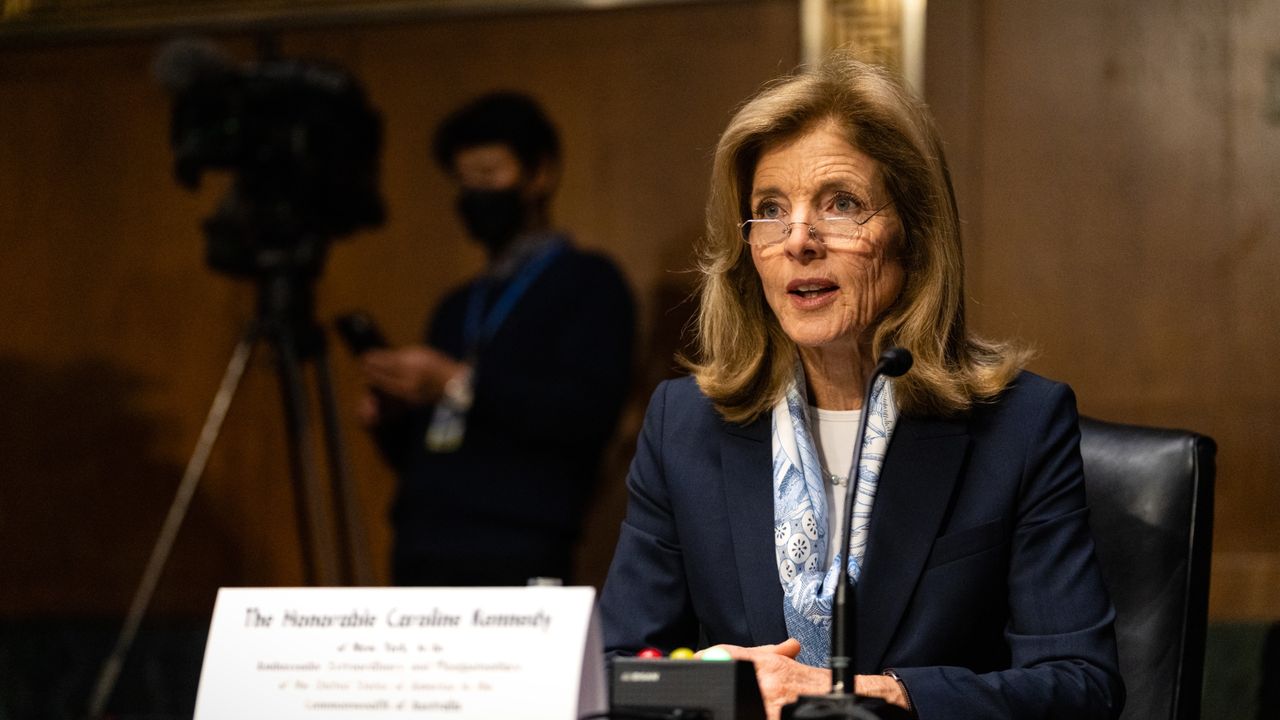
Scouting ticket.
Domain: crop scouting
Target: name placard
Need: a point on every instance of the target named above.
(285, 653)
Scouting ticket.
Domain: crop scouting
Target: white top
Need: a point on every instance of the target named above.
(834, 433)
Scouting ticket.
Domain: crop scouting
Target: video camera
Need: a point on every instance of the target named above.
(303, 143)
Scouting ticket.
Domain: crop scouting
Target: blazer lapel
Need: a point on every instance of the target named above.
(746, 460)
(916, 483)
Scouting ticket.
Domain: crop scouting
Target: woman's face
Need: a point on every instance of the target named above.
(825, 297)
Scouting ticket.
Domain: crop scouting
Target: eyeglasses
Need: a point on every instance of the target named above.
(836, 231)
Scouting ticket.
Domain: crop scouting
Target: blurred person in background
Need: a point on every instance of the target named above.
(497, 422)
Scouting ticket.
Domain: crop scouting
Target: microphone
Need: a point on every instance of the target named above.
(842, 703)
(894, 362)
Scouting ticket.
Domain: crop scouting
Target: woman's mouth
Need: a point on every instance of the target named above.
(811, 287)
(811, 292)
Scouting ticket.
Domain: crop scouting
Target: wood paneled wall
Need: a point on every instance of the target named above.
(116, 334)
(1118, 171)
(1115, 165)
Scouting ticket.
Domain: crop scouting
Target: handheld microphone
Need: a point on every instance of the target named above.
(842, 702)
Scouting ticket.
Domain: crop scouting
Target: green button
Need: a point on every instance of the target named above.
(716, 654)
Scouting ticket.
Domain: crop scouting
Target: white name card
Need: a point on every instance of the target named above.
(465, 653)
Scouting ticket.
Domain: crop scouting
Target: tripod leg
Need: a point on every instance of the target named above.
(172, 523)
(314, 529)
(351, 533)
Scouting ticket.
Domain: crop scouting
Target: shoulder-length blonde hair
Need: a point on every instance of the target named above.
(743, 360)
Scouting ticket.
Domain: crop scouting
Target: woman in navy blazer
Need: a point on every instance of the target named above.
(977, 592)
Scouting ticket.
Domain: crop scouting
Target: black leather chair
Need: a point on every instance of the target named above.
(1151, 509)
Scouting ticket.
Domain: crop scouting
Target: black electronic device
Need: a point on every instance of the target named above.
(359, 332)
(302, 141)
(716, 690)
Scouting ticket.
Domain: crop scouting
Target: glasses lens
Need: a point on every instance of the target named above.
(764, 232)
(838, 230)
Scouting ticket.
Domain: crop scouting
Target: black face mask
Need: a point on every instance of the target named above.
(493, 217)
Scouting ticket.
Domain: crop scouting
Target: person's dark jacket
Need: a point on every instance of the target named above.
(980, 586)
(549, 387)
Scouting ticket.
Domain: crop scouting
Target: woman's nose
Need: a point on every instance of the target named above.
(802, 241)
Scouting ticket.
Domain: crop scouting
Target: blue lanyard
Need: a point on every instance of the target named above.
(479, 327)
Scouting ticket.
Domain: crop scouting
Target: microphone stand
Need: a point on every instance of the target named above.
(842, 703)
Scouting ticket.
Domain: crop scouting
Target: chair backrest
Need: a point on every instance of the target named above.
(1151, 510)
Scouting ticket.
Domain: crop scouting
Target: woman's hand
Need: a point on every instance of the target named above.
(881, 686)
(782, 679)
(415, 375)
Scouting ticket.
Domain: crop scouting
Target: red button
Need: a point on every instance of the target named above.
(649, 653)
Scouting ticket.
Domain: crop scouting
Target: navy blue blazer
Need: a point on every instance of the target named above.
(979, 586)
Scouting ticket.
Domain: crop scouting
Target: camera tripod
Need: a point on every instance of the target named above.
(333, 553)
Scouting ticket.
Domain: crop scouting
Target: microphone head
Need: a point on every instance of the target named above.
(895, 362)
